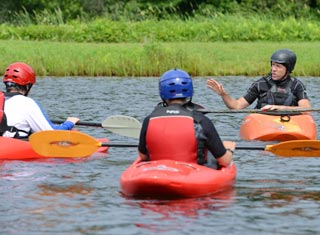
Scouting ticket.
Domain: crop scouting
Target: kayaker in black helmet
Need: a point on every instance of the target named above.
(24, 115)
(173, 131)
(278, 90)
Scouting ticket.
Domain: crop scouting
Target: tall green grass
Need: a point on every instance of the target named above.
(218, 44)
(226, 28)
(151, 58)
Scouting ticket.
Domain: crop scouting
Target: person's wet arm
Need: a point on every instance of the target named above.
(229, 101)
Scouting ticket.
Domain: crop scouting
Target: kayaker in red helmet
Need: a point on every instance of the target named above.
(276, 91)
(173, 131)
(24, 115)
(3, 118)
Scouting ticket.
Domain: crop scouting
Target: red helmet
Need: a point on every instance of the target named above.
(19, 73)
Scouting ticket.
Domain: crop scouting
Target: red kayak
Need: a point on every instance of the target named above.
(173, 179)
(14, 149)
(265, 127)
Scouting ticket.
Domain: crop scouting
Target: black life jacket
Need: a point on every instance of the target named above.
(3, 118)
(278, 94)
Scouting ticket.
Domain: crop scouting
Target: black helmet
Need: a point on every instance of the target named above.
(286, 57)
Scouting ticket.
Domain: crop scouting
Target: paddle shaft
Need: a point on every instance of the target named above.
(271, 112)
(136, 145)
(250, 148)
(285, 149)
(118, 145)
(80, 123)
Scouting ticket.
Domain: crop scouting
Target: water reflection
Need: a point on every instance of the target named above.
(278, 197)
(173, 210)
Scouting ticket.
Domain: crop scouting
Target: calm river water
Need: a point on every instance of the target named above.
(272, 195)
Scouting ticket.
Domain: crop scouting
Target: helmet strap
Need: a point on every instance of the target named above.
(188, 101)
(285, 76)
(164, 103)
(27, 90)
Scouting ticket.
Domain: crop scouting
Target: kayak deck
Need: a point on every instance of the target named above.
(173, 179)
(265, 127)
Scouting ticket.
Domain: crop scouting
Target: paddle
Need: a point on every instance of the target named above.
(123, 125)
(271, 112)
(119, 124)
(59, 143)
(292, 148)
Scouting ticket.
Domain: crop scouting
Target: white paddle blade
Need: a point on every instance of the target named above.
(123, 125)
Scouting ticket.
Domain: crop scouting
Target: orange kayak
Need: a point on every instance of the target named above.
(15, 149)
(173, 179)
(265, 127)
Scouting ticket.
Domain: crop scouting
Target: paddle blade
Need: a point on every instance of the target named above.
(296, 148)
(59, 143)
(123, 125)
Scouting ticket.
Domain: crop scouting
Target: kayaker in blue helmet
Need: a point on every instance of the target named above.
(278, 90)
(173, 131)
(24, 115)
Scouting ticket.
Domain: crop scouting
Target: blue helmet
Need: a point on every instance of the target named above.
(174, 84)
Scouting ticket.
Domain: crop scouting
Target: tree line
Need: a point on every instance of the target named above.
(14, 11)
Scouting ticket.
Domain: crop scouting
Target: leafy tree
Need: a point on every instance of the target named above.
(44, 11)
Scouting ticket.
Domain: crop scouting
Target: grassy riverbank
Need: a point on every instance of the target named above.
(215, 44)
(152, 59)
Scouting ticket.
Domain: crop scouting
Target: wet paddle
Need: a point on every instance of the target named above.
(77, 144)
(119, 124)
(123, 125)
(60, 143)
(292, 148)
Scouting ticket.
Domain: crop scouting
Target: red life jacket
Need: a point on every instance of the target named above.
(172, 137)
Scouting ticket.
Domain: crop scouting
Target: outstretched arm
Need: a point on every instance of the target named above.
(230, 102)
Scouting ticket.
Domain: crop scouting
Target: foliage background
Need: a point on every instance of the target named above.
(147, 37)
(40, 11)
